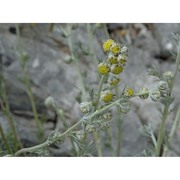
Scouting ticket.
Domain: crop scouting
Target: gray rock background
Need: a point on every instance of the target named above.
(50, 75)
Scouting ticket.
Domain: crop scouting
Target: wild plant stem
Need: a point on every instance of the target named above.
(74, 58)
(173, 130)
(110, 134)
(119, 120)
(61, 115)
(174, 126)
(85, 118)
(46, 143)
(110, 128)
(106, 31)
(33, 105)
(90, 38)
(8, 114)
(28, 87)
(176, 71)
(99, 91)
(96, 134)
(161, 130)
(5, 140)
(165, 111)
(97, 137)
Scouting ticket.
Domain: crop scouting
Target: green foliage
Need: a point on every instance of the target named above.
(96, 103)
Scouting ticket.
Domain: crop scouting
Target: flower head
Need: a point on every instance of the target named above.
(124, 50)
(122, 59)
(107, 116)
(113, 80)
(90, 128)
(103, 68)
(80, 135)
(125, 106)
(155, 95)
(129, 92)
(168, 75)
(85, 107)
(50, 103)
(107, 45)
(163, 88)
(106, 96)
(116, 69)
(112, 58)
(146, 95)
(115, 49)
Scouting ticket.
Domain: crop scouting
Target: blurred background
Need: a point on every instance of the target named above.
(53, 74)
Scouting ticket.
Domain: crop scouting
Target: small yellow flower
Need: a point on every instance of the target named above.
(107, 45)
(116, 69)
(122, 59)
(112, 58)
(115, 49)
(113, 81)
(106, 96)
(103, 68)
(129, 92)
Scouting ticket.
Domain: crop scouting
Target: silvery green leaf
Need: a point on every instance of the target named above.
(167, 101)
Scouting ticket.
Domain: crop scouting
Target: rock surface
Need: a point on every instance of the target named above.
(50, 75)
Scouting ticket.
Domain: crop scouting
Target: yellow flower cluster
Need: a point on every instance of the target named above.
(117, 55)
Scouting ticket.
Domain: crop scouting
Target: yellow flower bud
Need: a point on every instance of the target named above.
(106, 96)
(103, 68)
(116, 69)
(122, 59)
(113, 81)
(107, 45)
(112, 58)
(115, 49)
(129, 92)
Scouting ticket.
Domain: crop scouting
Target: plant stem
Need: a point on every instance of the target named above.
(96, 134)
(161, 130)
(27, 83)
(6, 109)
(85, 118)
(74, 58)
(165, 112)
(5, 141)
(90, 38)
(46, 143)
(119, 127)
(174, 126)
(110, 134)
(33, 105)
(106, 31)
(61, 115)
(97, 139)
(176, 71)
(99, 91)
(119, 113)
(172, 132)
